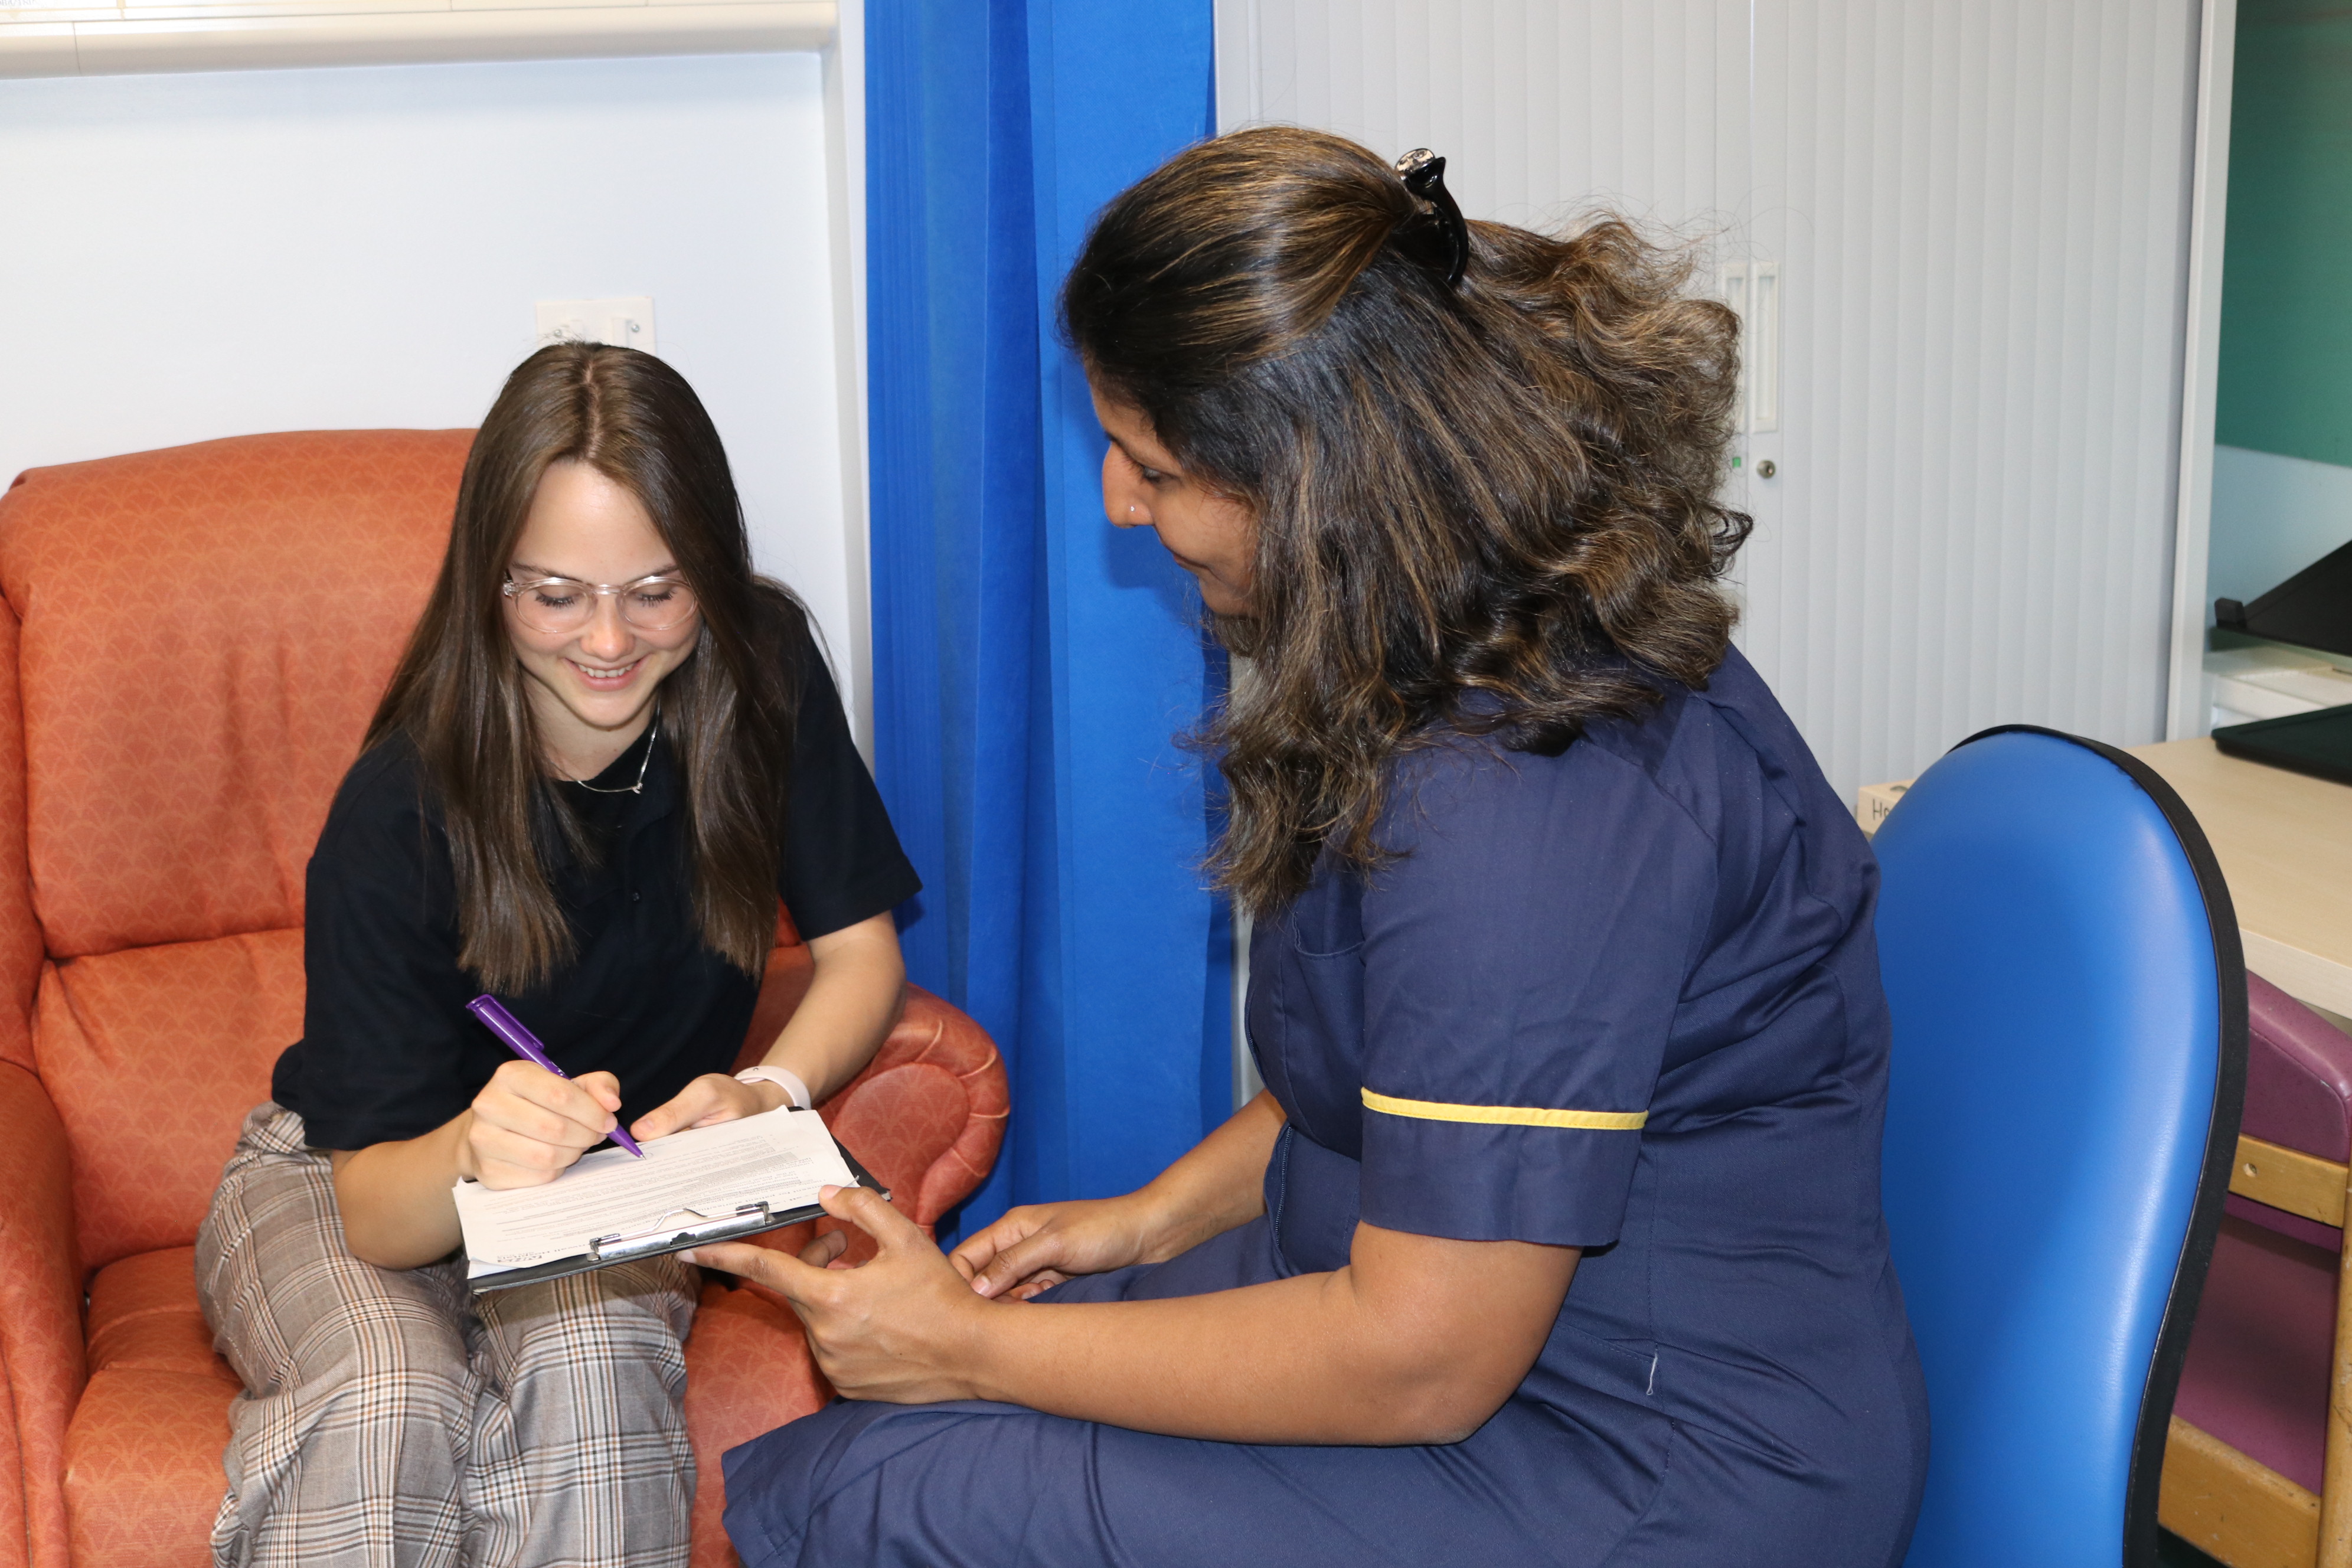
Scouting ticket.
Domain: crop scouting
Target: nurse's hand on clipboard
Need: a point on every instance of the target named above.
(903, 1327)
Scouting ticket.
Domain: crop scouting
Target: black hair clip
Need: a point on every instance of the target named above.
(1424, 173)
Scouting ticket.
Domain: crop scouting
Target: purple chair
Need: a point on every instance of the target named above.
(2258, 1469)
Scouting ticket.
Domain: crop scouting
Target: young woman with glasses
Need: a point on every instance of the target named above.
(1555, 1237)
(609, 751)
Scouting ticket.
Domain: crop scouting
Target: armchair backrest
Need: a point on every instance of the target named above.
(2070, 1035)
(192, 643)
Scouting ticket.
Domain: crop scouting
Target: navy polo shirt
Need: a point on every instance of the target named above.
(388, 1050)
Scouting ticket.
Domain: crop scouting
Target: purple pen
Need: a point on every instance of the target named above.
(524, 1044)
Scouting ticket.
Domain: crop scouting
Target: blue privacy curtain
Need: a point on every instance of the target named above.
(1032, 664)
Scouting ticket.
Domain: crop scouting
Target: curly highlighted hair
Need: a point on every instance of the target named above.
(1504, 488)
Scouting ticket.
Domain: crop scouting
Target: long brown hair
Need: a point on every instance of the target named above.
(726, 712)
(1505, 486)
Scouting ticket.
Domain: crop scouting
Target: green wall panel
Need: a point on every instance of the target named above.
(2286, 281)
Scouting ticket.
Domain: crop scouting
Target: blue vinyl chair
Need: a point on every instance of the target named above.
(2069, 1042)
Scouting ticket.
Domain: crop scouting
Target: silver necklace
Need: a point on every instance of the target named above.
(653, 733)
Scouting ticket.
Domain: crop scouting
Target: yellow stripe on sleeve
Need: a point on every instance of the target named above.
(1507, 1115)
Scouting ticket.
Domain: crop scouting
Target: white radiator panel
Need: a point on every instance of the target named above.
(1978, 213)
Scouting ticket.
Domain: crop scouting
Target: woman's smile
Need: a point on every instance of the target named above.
(600, 678)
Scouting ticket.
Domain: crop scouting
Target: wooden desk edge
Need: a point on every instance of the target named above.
(2307, 977)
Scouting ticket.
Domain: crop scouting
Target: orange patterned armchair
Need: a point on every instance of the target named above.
(191, 644)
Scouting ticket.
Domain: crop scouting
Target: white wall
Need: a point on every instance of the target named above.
(1978, 208)
(2273, 516)
(189, 257)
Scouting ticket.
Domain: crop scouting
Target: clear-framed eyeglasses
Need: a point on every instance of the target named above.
(562, 605)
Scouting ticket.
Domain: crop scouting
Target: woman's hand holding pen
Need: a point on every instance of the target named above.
(528, 1126)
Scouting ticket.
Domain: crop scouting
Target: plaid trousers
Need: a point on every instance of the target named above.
(393, 1419)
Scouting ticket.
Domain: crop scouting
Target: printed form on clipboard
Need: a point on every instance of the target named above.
(708, 1183)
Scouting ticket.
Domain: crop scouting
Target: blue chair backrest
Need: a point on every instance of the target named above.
(2070, 1024)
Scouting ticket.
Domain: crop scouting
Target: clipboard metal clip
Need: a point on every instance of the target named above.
(746, 1219)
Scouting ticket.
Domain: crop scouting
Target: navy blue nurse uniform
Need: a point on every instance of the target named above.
(1624, 999)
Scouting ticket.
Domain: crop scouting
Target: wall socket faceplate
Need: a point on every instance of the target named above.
(627, 323)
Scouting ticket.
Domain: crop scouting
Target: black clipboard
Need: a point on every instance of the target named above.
(603, 1251)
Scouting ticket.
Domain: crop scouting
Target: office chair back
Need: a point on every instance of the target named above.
(2070, 1035)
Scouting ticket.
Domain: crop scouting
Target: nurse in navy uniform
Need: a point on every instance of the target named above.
(1555, 1236)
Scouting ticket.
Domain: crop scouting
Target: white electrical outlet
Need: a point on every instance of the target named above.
(625, 323)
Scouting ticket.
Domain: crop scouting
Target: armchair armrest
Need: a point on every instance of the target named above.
(41, 1351)
(927, 1114)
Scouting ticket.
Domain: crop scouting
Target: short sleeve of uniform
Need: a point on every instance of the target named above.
(841, 861)
(1523, 963)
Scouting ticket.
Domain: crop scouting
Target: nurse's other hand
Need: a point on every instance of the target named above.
(528, 1125)
(1039, 1245)
(901, 1327)
(713, 1098)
